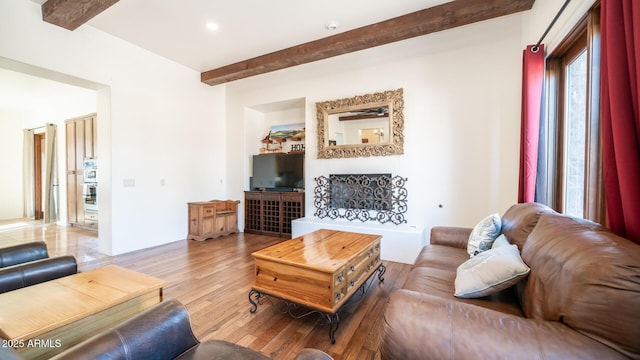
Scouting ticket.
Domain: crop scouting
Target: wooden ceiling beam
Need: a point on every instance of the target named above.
(70, 14)
(430, 20)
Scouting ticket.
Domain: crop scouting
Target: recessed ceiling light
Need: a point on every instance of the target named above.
(212, 26)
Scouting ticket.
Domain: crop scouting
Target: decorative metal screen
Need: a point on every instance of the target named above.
(364, 197)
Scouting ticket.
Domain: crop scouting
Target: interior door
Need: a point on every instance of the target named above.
(39, 160)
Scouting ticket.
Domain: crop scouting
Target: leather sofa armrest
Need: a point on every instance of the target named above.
(162, 329)
(35, 272)
(312, 354)
(22, 253)
(450, 236)
(420, 326)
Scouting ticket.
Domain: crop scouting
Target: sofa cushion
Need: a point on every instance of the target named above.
(439, 282)
(441, 257)
(586, 277)
(421, 326)
(489, 272)
(520, 219)
(483, 234)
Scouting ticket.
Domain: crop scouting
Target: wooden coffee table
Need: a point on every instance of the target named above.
(320, 270)
(42, 320)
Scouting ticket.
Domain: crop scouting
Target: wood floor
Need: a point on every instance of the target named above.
(213, 279)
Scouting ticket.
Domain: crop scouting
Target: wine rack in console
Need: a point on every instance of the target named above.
(271, 212)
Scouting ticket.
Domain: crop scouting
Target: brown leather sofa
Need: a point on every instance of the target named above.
(581, 299)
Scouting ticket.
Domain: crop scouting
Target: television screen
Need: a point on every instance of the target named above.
(278, 172)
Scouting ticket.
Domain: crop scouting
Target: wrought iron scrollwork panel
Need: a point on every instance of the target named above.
(364, 197)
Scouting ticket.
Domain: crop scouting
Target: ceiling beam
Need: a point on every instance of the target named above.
(70, 14)
(434, 19)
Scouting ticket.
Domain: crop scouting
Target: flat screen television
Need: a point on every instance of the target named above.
(278, 172)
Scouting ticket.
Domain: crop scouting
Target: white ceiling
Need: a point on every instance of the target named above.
(176, 29)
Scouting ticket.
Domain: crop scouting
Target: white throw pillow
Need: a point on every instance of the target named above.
(483, 234)
(500, 241)
(489, 272)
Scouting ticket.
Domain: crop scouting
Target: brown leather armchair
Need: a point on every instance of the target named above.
(35, 272)
(164, 332)
(22, 253)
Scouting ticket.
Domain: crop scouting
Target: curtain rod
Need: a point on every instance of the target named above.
(564, 6)
(40, 127)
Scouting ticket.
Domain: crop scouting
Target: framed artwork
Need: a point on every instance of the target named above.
(293, 132)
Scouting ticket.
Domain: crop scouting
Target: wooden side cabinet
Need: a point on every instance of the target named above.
(210, 219)
(270, 212)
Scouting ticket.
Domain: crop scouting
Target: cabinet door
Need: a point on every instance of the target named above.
(208, 226)
(79, 197)
(271, 209)
(252, 211)
(194, 220)
(208, 222)
(89, 146)
(292, 208)
(70, 132)
(72, 214)
(231, 222)
(80, 144)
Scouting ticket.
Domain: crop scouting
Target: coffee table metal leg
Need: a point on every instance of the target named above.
(334, 321)
(381, 270)
(257, 295)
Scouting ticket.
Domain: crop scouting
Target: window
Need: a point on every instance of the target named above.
(571, 136)
(575, 95)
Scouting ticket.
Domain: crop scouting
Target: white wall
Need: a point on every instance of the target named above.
(462, 113)
(156, 121)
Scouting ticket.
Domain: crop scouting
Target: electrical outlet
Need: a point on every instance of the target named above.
(129, 182)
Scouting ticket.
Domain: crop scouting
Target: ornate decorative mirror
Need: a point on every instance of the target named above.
(364, 125)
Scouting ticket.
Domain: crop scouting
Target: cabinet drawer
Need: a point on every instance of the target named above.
(208, 211)
(339, 278)
(362, 266)
(92, 216)
(292, 196)
(339, 295)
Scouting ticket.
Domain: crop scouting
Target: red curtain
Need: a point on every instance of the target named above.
(532, 79)
(620, 68)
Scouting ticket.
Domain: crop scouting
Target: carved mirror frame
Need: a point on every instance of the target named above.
(391, 98)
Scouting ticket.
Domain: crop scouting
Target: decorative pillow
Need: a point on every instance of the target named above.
(484, 234)
(500, 241)
(490, 272)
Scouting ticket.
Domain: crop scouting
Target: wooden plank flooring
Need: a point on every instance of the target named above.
(213, 279)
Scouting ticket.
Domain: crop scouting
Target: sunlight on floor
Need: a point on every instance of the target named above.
(13, 226)
(60, 240)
